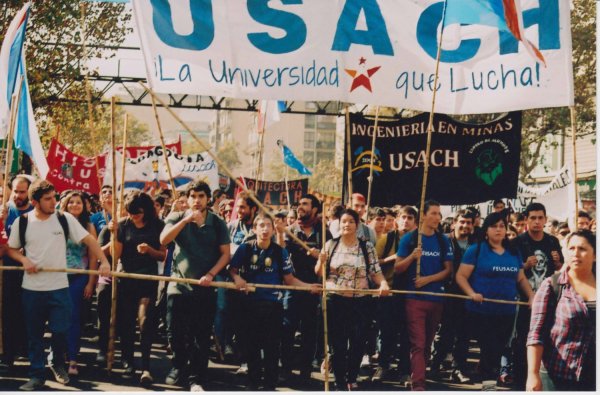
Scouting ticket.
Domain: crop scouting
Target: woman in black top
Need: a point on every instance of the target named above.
(138, 247)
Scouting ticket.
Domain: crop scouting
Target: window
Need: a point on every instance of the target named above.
(309, 121)
(309, 140)
(308, 159)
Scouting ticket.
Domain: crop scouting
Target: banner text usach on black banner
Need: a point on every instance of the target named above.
(469, 163)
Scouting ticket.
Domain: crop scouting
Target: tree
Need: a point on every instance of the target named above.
(54, 55)
(326, 178)
(228, 155)
(539, 124)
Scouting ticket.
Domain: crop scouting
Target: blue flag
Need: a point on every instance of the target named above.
(290, 159)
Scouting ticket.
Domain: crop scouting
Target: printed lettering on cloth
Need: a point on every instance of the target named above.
(149, 173)
(379, 52)
(469, 163)
(134, 152)
(274, 193)
(71, 171)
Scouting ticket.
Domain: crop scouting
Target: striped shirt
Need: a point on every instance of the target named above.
(572, 339)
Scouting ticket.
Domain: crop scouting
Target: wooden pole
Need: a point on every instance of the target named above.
(164, 146)
(574, 141)
(349, 154)
(113, 306)
(324, 303)
(261, 145)
(370, 179)
(222, 166)
(428, 148)
(88, 91)
(252, 287)
(287, 189)
(14, 110)
(123, 163)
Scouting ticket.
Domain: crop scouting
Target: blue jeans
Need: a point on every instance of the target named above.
(77, 283)
(39, 307)
(222, 317)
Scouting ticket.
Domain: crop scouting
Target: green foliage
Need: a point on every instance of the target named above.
(326, 178)
(54, 53)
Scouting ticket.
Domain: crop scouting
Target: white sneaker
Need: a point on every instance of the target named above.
(365, 361)
(488, 385)
(243, 369)
(196, 388)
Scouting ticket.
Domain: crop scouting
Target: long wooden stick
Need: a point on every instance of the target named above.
(123, 163)
(113, 305)
(88, 90)
(370, 179)
(324, 304)
(428, 148)
(348, 154)
(222, 166)
(14, 110)
(287, 189)
(164, 146)
(252, 287)
(259, 165)
(574, 141)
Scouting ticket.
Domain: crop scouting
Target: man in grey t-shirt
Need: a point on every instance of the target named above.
(201, 251)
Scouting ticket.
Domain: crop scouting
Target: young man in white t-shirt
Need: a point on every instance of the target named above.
(45, 294)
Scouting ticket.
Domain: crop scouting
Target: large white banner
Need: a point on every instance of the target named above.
(148, 172)
(360, 51)
(558, 197)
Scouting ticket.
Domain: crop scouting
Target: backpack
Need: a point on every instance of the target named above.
(363, 247)
(24, 220)
(392, 238)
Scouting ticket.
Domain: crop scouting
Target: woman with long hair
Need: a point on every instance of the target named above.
(138, 247)
(350, 264)
(81, 286)
(492, 269)
(562, 333)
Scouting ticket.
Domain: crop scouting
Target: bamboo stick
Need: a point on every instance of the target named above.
(164, 147)
(574, 141)
(123, 163)
(348, 154)
(88, 91)
(14, 109)
(113, 306)
(370, 179)
(428, 147)
(324, 303)
(222, 166)
(252, 287)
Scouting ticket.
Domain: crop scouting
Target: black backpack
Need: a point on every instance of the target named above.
(24, 220)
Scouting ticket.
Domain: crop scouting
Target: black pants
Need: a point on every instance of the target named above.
(104, 304)
(519, 348)
(453, 335)
(13, 322)
(492, 332)
(137, 300)
(263, 322)
(300, 312)
(190, 318)
(348, 321)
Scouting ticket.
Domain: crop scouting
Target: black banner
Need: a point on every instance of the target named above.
(273, 193)
(469, 163)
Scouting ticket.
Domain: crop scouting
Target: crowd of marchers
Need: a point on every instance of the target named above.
(276, 336)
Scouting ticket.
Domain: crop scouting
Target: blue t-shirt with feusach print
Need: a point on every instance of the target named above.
(495, 277)
(431, 263)
(260, 266)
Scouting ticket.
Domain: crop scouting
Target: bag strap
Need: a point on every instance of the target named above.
(23, 221)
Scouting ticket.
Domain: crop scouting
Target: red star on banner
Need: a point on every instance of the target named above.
(362, 79)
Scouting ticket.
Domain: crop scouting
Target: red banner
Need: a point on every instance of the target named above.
(71, 171)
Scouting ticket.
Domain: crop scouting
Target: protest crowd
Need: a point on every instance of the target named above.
(271, 334)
